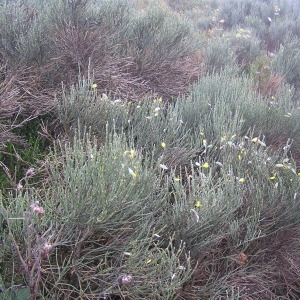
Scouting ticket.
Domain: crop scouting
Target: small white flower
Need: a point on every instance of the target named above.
(104, 97)
(164, 167)
(279, 165)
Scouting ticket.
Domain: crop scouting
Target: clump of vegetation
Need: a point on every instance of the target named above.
(149, 150)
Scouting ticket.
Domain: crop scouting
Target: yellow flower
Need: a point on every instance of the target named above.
(272, 177)
(134, 175)
(242, 180)
(204, 142)
(131, 155)
(163, 145)
(159, 100)
(176, 179)
(198, 204)
(149, 261)
(298, 174)
(201, 133)
(94, 86)
(205, 165)
(240, 157)
(255, 140)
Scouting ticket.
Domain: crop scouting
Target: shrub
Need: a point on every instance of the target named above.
(80, 220)
(217, 55)
(193, 196)
(287, 62)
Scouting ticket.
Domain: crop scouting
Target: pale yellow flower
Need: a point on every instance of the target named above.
(94, 86)
(242, 180)
(133, 174)
(198, 204)
(163, 145)
(205, 165)
(131, 155)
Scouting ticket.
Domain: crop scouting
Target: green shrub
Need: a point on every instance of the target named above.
(245, 45)
(218, 55)
(153, 189)
(98, 195)
(287, 62)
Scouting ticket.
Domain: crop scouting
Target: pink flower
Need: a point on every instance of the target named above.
(46, 249)
(30, 172)
(19, 186)
(37, 209)
(126, 279)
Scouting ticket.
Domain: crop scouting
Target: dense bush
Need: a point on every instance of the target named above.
(146, 156)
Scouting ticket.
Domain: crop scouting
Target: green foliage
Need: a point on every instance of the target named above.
(98, 195)
(15, 293)
(287, 62)
(153, 188)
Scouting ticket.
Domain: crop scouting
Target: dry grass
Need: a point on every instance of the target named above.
(268, 83)
(270, 270)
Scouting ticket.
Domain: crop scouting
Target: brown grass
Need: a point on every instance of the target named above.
(268, 83)
(270, 268)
